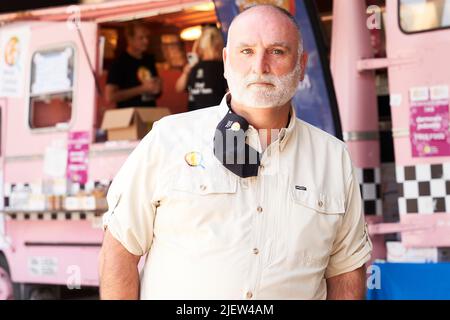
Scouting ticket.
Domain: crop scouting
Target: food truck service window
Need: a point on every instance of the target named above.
(424, 15)
(51, 87)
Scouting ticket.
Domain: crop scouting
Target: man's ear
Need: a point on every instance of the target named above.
(224, 56)
(303, 60)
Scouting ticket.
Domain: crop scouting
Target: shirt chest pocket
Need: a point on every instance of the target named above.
(313, 219)
(198, 211)
(197, 182)
(321, 203)
(200, 194)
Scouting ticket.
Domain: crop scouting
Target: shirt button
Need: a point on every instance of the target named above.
(249, 295)
(255, 251)
(259, 209)
(320, 203)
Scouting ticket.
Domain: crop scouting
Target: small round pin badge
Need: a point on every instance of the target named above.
(193, 159)
(235, 126)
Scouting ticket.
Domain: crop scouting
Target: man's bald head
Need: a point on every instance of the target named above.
(264, 58)
(267, 9)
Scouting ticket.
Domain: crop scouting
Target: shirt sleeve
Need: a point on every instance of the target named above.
(131, 208)
(352, 247)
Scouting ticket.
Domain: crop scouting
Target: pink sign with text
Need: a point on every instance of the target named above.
(78, 156)
(428, 127)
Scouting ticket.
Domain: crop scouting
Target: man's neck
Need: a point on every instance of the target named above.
(265, 120)
(135, 53)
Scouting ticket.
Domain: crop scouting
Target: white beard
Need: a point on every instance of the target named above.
(254, 96)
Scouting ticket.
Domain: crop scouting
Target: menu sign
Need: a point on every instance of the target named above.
(429, 129)
(78, 157)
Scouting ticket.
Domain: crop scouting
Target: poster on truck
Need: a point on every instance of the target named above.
(14, 43)
(429, 128)
(78, 156)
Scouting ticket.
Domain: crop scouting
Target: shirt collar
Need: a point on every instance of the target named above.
(223, 106)
(285, 133)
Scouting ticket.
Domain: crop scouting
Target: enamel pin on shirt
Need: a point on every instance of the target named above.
(194, 159)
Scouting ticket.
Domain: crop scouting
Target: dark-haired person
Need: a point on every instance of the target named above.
(133, 79)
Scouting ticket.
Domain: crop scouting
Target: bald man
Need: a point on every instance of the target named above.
(242, 200)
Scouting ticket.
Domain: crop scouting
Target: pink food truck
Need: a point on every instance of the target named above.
(376, 78)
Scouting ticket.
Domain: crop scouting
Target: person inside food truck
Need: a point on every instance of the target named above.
(133, 79)
(202, 76)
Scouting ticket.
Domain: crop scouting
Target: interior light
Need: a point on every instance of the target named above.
(207, 6)
(191, 33)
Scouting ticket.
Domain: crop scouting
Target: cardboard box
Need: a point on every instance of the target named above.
(131, 123)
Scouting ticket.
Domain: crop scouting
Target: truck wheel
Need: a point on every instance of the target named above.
(38, 292)
(6, 285)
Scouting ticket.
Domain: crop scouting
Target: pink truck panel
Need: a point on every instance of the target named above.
(416, 60)
(52, 251)
(23, 141)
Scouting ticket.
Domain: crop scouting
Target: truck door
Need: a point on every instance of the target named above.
(417, 34)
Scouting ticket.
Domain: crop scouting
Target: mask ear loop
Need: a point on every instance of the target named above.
(289, 119)
(228, 100)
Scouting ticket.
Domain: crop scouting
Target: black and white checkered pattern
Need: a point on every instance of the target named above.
(52, 216)
(424, 188)
(369, 184)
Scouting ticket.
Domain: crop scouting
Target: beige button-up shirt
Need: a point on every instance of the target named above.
(209, 234)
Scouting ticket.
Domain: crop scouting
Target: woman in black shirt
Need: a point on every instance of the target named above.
(204, 80)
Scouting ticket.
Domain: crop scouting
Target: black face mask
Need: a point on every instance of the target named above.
(230, 147)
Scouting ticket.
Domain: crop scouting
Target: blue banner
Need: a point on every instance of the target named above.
(409, 281)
